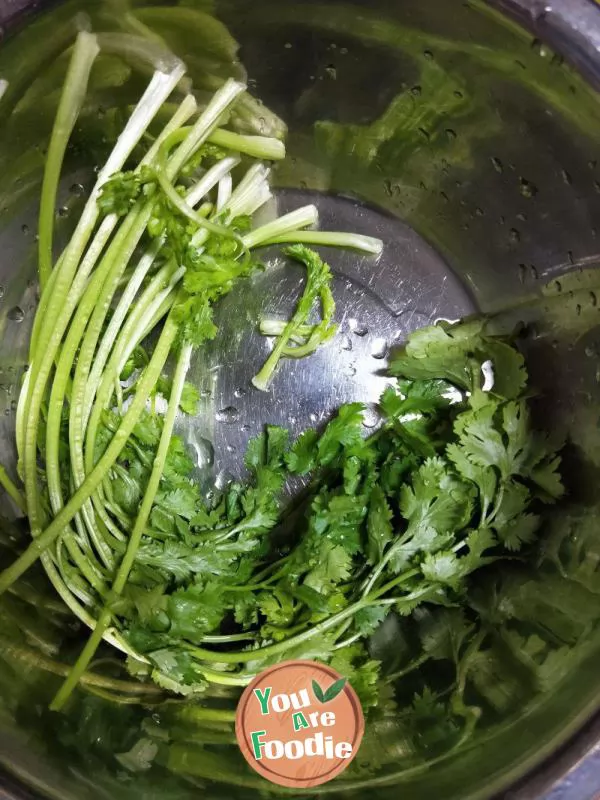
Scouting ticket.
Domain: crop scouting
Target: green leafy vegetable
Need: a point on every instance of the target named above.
(309, 338)
(373, 568)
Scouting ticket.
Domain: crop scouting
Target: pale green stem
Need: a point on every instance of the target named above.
(126, 564)
(263, 147)
(351, 241)
(84, 54)
(12, 491)
(94, 479)
(300, 218)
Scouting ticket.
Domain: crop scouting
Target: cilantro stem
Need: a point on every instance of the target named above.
(317, 287)
(37, 659)
(405, 576)
(87, 351)
(280, 647)
(225, 678)
(282, 226)
(187, 211)
(195, 713)
(347, 642)
(205, 124)
(224, 192)
(250, 194)
(135, 538)
(265, 148)
(93, 480)
(275, 327)
(352, 241)
(11, 490)
(153, 303)
(84, 54)
(210, 179)
(418, 662)
(116, 321)
(229, 637)
(63, 301)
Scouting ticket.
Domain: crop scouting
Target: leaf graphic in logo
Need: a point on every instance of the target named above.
(328, 694)
(318, 692)
(334, 690)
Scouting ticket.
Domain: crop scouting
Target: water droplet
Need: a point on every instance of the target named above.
(230, 448)
(344, 51)
(245, 428)
(458, 94)
(331, 72)
(387, 185)
(346, 343)
(222, 480)
(541, 49)
(63, 211)
(228, 415)
(578, 309)
(498, 165)
(590, 351)
(239, 392)
(592, 164)
(450, 133)
(533, 272)
(78, 189)
(16, 314)
(288, 45)
(558, 286)
(522, 217)
(205, 453)
(425, 134)
(13, 405)
(479, 212)
(357, 328)
(351, 371)
(7, 412)
(313, 417)
(371, 417)
(428, 55)
(515, 236)
(567, 177)
(416, 91)
(444, 197)
(379, 348)
(527, 188)
(593, 299)
(25, 229)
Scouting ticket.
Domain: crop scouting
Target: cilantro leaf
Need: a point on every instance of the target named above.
(379, 526)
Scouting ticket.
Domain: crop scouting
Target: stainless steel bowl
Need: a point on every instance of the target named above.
(467, 135)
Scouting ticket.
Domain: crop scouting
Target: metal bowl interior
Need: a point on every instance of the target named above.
(473, 149)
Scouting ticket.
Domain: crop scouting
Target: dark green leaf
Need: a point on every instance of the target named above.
(318, 692)
(335, 689)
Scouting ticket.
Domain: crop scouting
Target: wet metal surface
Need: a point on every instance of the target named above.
(379, 302)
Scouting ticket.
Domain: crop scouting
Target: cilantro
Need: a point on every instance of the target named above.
(318, 287)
